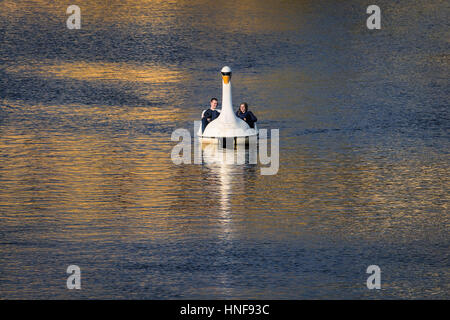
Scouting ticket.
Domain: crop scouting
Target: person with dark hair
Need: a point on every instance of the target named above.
(246, 115)
(210, 114)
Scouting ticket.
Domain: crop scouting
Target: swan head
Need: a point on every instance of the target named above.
(226, 74)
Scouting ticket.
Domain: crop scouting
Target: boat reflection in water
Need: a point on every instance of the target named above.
(230, 166)
(229, 181)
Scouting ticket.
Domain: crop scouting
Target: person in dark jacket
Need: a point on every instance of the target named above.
(246, 115)
(210, 114)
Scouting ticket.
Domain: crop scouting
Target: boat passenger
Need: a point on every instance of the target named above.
(246, 115)
(210, 114)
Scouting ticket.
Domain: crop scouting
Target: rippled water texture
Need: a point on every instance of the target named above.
(86, 178)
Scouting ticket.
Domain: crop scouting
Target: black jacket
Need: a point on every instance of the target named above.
(213, 114)
(249, 117)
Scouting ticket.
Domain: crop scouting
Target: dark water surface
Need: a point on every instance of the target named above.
(86, 176)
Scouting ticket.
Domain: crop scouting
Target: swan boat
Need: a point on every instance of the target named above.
(227, 125)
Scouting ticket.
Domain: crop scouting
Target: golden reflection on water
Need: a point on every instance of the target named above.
(245, 16)
(146, 81)
(93, 176)
(80, 180)
(103, 71)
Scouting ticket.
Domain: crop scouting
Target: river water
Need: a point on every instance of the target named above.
(86, 175)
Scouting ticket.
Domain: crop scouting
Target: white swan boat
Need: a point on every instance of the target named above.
(227, 124)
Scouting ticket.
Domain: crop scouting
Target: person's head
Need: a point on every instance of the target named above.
(243, 107)
(214, 102)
